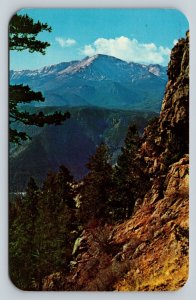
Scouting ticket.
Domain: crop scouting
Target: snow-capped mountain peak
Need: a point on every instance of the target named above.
(100, 80)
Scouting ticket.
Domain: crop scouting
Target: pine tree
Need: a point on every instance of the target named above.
(64, 185)
(96, 188)
(130, 181)
(23, 33)
(22, 232)
(55, 224)
(59, 187)
(42, 230)
(32, 196)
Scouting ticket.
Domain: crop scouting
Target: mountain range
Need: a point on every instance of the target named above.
(100, 80)
(103, 94)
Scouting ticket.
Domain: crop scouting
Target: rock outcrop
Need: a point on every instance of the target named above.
(160, 227)
(166, 138)
(160, 224)
(150, 250)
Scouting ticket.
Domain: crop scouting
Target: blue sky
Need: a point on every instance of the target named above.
(139, 35)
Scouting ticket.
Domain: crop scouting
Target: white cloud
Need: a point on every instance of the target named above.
(65, 42)
(128, 50)
(175, 42)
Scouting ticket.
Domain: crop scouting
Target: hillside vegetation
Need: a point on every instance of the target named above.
(70, 144)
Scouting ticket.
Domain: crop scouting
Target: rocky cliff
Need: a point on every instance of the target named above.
(150, 250)
(160, 261)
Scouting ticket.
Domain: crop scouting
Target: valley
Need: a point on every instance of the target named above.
(72, 143)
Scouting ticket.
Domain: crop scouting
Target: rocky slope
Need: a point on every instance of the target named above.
(160, 224)
(150, 250)
(155, 240)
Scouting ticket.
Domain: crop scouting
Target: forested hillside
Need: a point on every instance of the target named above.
(70, 144)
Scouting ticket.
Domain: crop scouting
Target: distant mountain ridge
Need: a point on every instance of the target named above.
(71, 144)
(100, 80)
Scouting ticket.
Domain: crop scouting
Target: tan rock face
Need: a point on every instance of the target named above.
(167, 139)
(160, 261)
